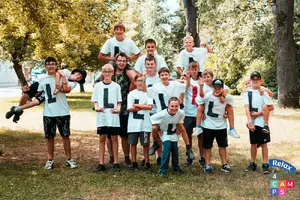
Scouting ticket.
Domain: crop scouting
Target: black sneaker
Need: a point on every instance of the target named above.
(134, 166)
(266, 129)
(188, 163)
(266, 169)
(202, 161)
(100, 168)
(178, 171)
(16, 118)
(226, 168)
(251, 167)
(10, 113)
(147, 166)
(153, 149)
(158, 161)
(116, 167)
(189, 153)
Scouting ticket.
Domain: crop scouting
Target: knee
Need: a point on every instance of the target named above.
(102, 138)
(155, 128)
(114, 138)
(200, 108)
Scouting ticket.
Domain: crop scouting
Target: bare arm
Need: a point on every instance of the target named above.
(143, 107)
(132, 58)
(103, 57)
(179, 71)
(209, 49)
(249, 119)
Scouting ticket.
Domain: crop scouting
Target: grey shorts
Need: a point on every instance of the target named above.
(144, 138)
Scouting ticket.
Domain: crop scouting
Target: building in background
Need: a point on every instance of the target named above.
(8, 77)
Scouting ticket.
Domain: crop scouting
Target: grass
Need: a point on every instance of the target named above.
(22, 175)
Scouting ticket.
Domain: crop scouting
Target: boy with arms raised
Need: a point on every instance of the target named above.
(215, 125)
(139, 125)
(254, 103)
(107, 101)
(168, 120)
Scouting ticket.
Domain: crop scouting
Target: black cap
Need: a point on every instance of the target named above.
(83, 74)
(255, 73)
(218, 83)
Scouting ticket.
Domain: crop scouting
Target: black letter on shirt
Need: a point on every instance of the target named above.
(210, 111)
(162, 101)
(135, 114)
(105, 99)
(170, 131)
(49, 94)
(250, 102)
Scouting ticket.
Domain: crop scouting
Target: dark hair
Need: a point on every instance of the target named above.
(163, 69)
(173, 99)
(122, 54)
(150, 58)
(137, 76)
(207, 71)
(193, 64)
(50, 59)
(150, 41)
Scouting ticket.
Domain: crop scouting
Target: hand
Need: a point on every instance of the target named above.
(201, 81)
(250, 126)
(188, 74)
(160, 132)
(182, 79)
(115, 111)
(203, 117)
(262, 91)
(61, 73)
(255, 114)
(203, 44)
(98, 109)
(25, 88)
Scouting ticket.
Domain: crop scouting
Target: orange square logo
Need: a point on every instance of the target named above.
(282, 184)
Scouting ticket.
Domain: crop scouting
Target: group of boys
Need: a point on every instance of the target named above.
(135, 102)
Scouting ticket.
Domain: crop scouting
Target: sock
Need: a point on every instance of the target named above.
(231, 129)
(126, 157)
(50, 159)
(252, 163)
(17, 108)
(198, 126)
(188, 147)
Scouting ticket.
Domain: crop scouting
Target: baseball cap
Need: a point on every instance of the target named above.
(218, 83)
(255, 73)
(83, 74)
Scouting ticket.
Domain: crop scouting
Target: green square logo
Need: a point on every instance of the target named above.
(274, 184)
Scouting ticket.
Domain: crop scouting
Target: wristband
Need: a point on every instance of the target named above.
(64, 83)
(181, 106)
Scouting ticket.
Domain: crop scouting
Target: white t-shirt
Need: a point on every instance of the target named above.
(139, 121)
(55, 105)
(198, 54)
(168, 123)
(161, 93)
(257, 104)
(214, 111)
(190, 104)
(150, 81)
(140, 63)
(127, 46)
(107, 96)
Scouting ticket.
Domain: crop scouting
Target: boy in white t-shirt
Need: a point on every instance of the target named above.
(215, 125)
(150, 46)
(169, 120)
(206, 86)
(56, 112)
(191, 53)
(107, 102)
(139, 125)
(190, 110)
(161, 93)
(254, 103)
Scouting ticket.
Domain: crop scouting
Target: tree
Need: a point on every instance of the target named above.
(191, 20)
(288, 95)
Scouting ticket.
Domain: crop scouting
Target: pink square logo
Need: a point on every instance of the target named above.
(281, 192)
(290, 183)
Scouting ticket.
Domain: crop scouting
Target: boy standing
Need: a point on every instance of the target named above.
(215, 125)
(139, 125)
(107, 101)
(56, 113)
(168, 120)
(254, 103)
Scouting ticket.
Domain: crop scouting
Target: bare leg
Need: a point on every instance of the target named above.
(125, 146)
(133, 152)
(109, 147)
(265, 153)
(102, 140)
(200, 145)
(200, 110)
(24, 99)
(229, 110)
(114, 139)
(223, 155)
(67, 146)
(50, 148)
(266, 114)
(207, 154)
(253, 152)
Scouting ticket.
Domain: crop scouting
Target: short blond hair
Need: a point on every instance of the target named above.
(119, 24)
(108, 67)
(188, 37)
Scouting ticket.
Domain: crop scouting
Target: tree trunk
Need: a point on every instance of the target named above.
(82, 88)
(191, 20)
(288, 95)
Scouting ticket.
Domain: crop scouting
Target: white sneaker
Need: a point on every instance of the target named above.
(233, 133)
(197, 131)
(71, 163)
(49, 164)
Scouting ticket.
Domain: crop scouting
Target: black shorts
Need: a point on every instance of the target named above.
(61, 122)
(259, 137)
(189, 123)
(123, 125)
(33, 88)
(209, 135)
(41, 97)
(108, 131)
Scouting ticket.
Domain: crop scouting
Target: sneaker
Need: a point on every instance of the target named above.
(143, 162)
(147, 166)
(202, 161)
(100, 168)
(188, 163)
(158, 161)
(208, 169)
(251, 167)
(266, 169)
(127, 162)
(197, 131)
(226, 168)
(71, 163)
(266, 129)
(178, 171)
(116, 167)
(16, 118)
(233, 133)
(49, 164)
(190, 155)
(153, 149)
(134, 166)
(10, 113)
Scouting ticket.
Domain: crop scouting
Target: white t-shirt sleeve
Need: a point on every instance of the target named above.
(157, 118)
(139, 64)
(162, 63)
(181, 87)
(119, 93)
(229, 100)
(134, 49)
(95, 93)
(203, 100)
(130, 100)
(106, 47)
(180, 60)
(181, 116)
